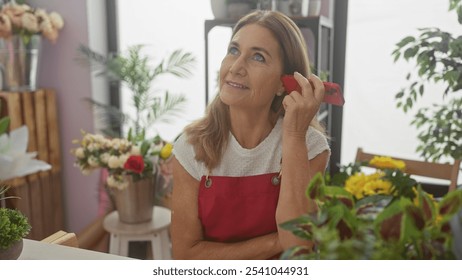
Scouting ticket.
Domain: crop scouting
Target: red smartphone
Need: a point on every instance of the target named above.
(333, 93)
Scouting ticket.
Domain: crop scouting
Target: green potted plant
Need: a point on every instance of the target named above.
(382, 215)
(133, 70)
(132, 153)
(438, 58)
(14, 226)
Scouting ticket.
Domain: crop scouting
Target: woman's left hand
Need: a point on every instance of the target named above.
(301, 107)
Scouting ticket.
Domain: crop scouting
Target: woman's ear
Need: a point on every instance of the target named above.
(281, 90)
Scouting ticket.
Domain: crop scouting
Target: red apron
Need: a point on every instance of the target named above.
(238, 208)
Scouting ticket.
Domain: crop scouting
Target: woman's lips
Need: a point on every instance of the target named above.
(236, 85)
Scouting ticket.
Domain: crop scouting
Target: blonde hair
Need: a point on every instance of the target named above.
(209, 135)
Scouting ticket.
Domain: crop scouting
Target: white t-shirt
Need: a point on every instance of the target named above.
(239, 162)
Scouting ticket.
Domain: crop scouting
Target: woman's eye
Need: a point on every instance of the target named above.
(258, 57)
(233, 50)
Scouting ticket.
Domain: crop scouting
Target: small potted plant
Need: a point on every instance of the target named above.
(14, 226)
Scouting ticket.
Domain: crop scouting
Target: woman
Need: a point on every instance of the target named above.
(243, 169)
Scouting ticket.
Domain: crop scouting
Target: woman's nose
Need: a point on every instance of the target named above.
(238, 67)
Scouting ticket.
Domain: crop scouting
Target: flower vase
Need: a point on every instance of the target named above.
(135, 203)
(19, 62)
(13, 252)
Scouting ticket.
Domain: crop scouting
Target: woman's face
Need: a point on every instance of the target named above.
(251, 70)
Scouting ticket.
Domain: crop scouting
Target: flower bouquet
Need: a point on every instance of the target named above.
(381, 215)
(25, 21)
(131, 166)
(134, 157)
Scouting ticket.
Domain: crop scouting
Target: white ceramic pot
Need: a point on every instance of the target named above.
(237, 10)
(314, 8)
(219, 8)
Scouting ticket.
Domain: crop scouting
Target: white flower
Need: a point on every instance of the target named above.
(14, 159)
(104, 158)
(86, 172)
(22, 18)
(5, 26)
(93, 161)
(79, 153)
(113, 162)
(115, 183)
(30, 22)
(123, 159)
(94, 146)
(135, 151)
(56, 20)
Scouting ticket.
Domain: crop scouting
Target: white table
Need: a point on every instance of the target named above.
(36, 250)
(156, 231)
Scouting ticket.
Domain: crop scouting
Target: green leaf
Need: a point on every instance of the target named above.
(412, 223)
(421, 90)
(298, 253)
(396, 56)
(302, 225)
(315, 188)
(145, 147)
(339, 193)
(391, 223)
(451, 203)
(409, 102)
(410, 52)
(4, 123)
(405, 41)
(342, 219)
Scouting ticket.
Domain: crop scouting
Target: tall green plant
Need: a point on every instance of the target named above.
(133, 69)
(438, 58)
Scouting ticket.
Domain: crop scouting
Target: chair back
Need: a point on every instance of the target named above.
(445, 171)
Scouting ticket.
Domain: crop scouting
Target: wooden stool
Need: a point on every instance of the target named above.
(156, 231)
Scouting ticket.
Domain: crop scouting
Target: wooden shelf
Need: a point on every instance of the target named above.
(40, 193)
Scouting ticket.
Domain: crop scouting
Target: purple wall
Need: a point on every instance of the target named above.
(72, 82)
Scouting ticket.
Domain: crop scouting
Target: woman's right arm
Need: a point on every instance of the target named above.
(186, 230)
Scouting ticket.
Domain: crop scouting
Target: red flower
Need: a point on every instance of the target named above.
(135, 164)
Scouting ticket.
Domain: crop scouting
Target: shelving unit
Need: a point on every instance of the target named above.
(319, 35)
(40, 193)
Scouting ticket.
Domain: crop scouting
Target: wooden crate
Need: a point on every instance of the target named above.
(40, 193)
